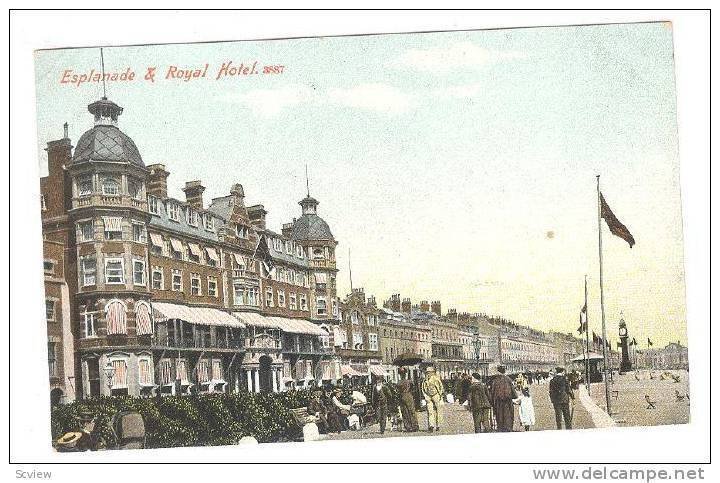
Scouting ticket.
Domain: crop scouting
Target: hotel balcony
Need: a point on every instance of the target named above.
(322, 263)
(114, 201)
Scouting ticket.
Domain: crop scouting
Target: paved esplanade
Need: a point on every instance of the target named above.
(458, 420)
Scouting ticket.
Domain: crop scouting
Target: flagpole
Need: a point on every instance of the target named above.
(602, 303)
(587, 342)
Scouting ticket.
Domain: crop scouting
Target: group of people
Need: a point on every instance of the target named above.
(491, 401)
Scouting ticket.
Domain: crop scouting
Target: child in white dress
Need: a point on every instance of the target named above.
(527, 410)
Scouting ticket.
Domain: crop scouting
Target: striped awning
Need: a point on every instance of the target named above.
(239, 260)
(212, 254)
(291, 326)
(156, 239)
(347, 370)
(176, 245)
(377, 370)
(195, 315)
(112, 223)
(195, 249)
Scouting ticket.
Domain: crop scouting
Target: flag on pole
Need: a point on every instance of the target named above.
(634, 342)
(616, 227)
(583, 320)
(649, 342)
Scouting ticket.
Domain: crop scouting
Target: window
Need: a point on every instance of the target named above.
(85, 186)
(195, 284)
(321, 307)
(110, 186)
(113, 227)
(357, 341)
(177, 280)
(343, 338)
(139, 272)
(372, 341)
(52, 358)
(143, 322)
(372, 320)
(355, 317)
(114, 270)
(269, 298)
(89, 320)
(212, 286)
(139, 234)
(43, 206)
(119, 377)
(157, 278)
(317, 253)
(246, 295)
(145, 373)
(88, 268)
(192, 216)
(49, 266)
(277, 244)
(293, 301)
(116, 317)
(176, 248)
(303, 302)
(173, 211)
(241, 231)
(209, 222)
(288, 247)
(50, 310)
(334, 307)
(153, 205)
(299, 251)
(281, 298)
(85, 230)
(135, 189)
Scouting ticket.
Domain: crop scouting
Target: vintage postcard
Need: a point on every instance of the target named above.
(369, 236)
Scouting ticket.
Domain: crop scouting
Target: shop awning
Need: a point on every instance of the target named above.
(377, 370)
(156, 239)
(347, 370)
(195, 249)
(592, 356)
(239, 260)
(176, 245)
(195, 315)
(212, 254)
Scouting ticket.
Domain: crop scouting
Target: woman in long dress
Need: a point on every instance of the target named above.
(407, 402)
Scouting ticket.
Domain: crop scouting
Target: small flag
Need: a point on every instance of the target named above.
(263, 252)
(616, 227)
(634, 342)
(583, 320)
(649, 342)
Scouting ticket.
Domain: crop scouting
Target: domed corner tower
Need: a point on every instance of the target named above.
(108, 210)
(314, 235)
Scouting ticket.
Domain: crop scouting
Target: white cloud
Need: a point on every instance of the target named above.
(461, 55)
(461, 91)
(270, 102)
(372, 97)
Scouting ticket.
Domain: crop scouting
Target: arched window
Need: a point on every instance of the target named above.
(143, 320)
(110, 186)
(116, 317)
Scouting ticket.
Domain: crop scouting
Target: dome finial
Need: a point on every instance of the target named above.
(102, 67)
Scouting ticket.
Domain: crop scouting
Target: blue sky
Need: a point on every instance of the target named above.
(441, 160)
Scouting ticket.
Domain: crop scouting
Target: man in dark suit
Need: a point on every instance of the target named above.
(479, 402)
(382, 401)
(502, 393)
(560, 395)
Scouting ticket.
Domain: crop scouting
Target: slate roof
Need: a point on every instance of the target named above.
(107, 143)
(311, 227)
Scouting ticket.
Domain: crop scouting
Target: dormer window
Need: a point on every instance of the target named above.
(84, 186)
(173, 211)
(192, 216)
(110, 186)
(277, 244)
(288, 247)
(153, 205)
(209, 222)
(317, 253)
(241, 231)
(299, 251)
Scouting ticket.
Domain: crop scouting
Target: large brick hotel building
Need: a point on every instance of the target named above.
(147, 294)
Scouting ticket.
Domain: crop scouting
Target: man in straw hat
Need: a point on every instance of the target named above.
(433, 392)
(502, 393)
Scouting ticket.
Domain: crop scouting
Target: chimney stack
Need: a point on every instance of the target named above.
(371, 301)
(406, 305)
(424, 306)
(194, 194)
(257, 216)
(287, 229)
(157, 181)
(436, 308)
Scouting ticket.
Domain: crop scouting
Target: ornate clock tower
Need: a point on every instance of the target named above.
(625, 365)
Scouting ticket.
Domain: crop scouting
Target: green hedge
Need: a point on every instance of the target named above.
(201, 420)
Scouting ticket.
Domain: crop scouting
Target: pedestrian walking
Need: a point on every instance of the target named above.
(527, 409)
(502, 393)
(433, 392)
(561, 394)
(407, 402)
(381, 400)
(479, 403)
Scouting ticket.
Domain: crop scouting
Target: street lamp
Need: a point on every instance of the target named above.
(477, 345)
(109, 375)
